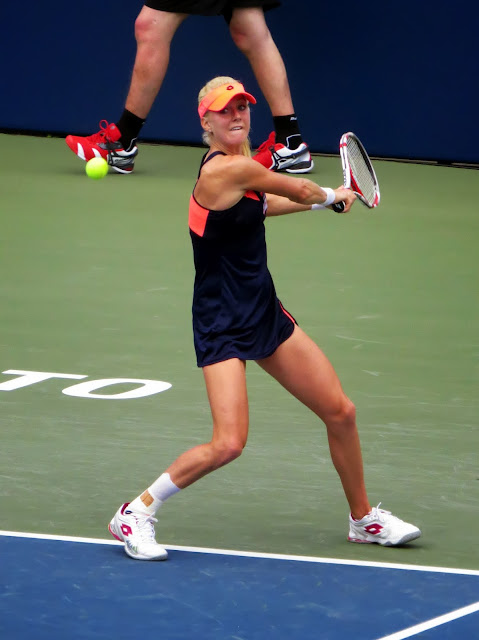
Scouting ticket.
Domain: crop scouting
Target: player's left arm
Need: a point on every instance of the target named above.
(286, 194)
(280, 206)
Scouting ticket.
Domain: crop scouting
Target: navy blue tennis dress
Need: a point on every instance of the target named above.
(236, 313)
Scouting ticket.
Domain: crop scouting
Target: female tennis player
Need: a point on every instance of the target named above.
(237, 317)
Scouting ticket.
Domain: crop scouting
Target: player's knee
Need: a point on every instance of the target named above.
(343, 416)
(228, 451)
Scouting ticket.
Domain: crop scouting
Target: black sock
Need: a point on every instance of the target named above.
(130, 127)
(287, 131)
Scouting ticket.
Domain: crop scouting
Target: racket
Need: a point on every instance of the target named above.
(358, 172)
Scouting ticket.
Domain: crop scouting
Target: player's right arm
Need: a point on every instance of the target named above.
(280, 205)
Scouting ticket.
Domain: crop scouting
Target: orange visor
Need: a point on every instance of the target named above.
(218, 98)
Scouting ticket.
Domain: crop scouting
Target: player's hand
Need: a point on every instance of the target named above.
(345, 195)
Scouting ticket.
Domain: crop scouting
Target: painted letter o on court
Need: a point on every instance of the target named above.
(146, 388)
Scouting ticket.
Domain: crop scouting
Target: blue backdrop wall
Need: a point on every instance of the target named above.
(402, 74)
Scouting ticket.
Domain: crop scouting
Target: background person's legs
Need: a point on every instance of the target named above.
(251, 35)
(154, 31)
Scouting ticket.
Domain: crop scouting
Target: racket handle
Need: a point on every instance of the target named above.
(338, 207)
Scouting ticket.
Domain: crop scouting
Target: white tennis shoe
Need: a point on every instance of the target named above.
(279, 157)
(381, 527)
(137, 531)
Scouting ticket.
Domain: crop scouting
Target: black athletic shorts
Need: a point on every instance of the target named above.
(208, 7)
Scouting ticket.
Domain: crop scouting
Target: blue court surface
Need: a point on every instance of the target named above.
(52, 588)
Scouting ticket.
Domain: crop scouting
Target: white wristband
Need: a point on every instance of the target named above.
(330, 196)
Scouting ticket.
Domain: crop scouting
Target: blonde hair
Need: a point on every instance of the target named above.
(209, 86)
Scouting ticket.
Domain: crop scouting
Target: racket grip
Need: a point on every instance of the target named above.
(338, 207)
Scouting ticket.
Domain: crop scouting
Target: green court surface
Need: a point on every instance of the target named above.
(97, 280)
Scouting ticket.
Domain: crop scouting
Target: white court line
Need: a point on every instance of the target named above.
(434, 622)
(252, 554)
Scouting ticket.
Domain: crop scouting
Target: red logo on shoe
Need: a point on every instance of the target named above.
(126, 529)
(374, 529)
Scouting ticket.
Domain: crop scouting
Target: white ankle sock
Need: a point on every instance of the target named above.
(160, 490)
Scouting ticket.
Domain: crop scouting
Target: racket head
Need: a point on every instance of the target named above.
(358, 171)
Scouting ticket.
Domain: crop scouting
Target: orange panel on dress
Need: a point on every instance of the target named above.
(197, 217)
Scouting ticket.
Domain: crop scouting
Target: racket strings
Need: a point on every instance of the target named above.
(361, 173)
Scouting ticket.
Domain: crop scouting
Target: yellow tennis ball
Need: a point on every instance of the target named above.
(96, 168)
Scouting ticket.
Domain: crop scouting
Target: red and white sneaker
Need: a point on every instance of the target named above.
(278, 157)
(381, 527)
(104, 144)
(137, 531)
